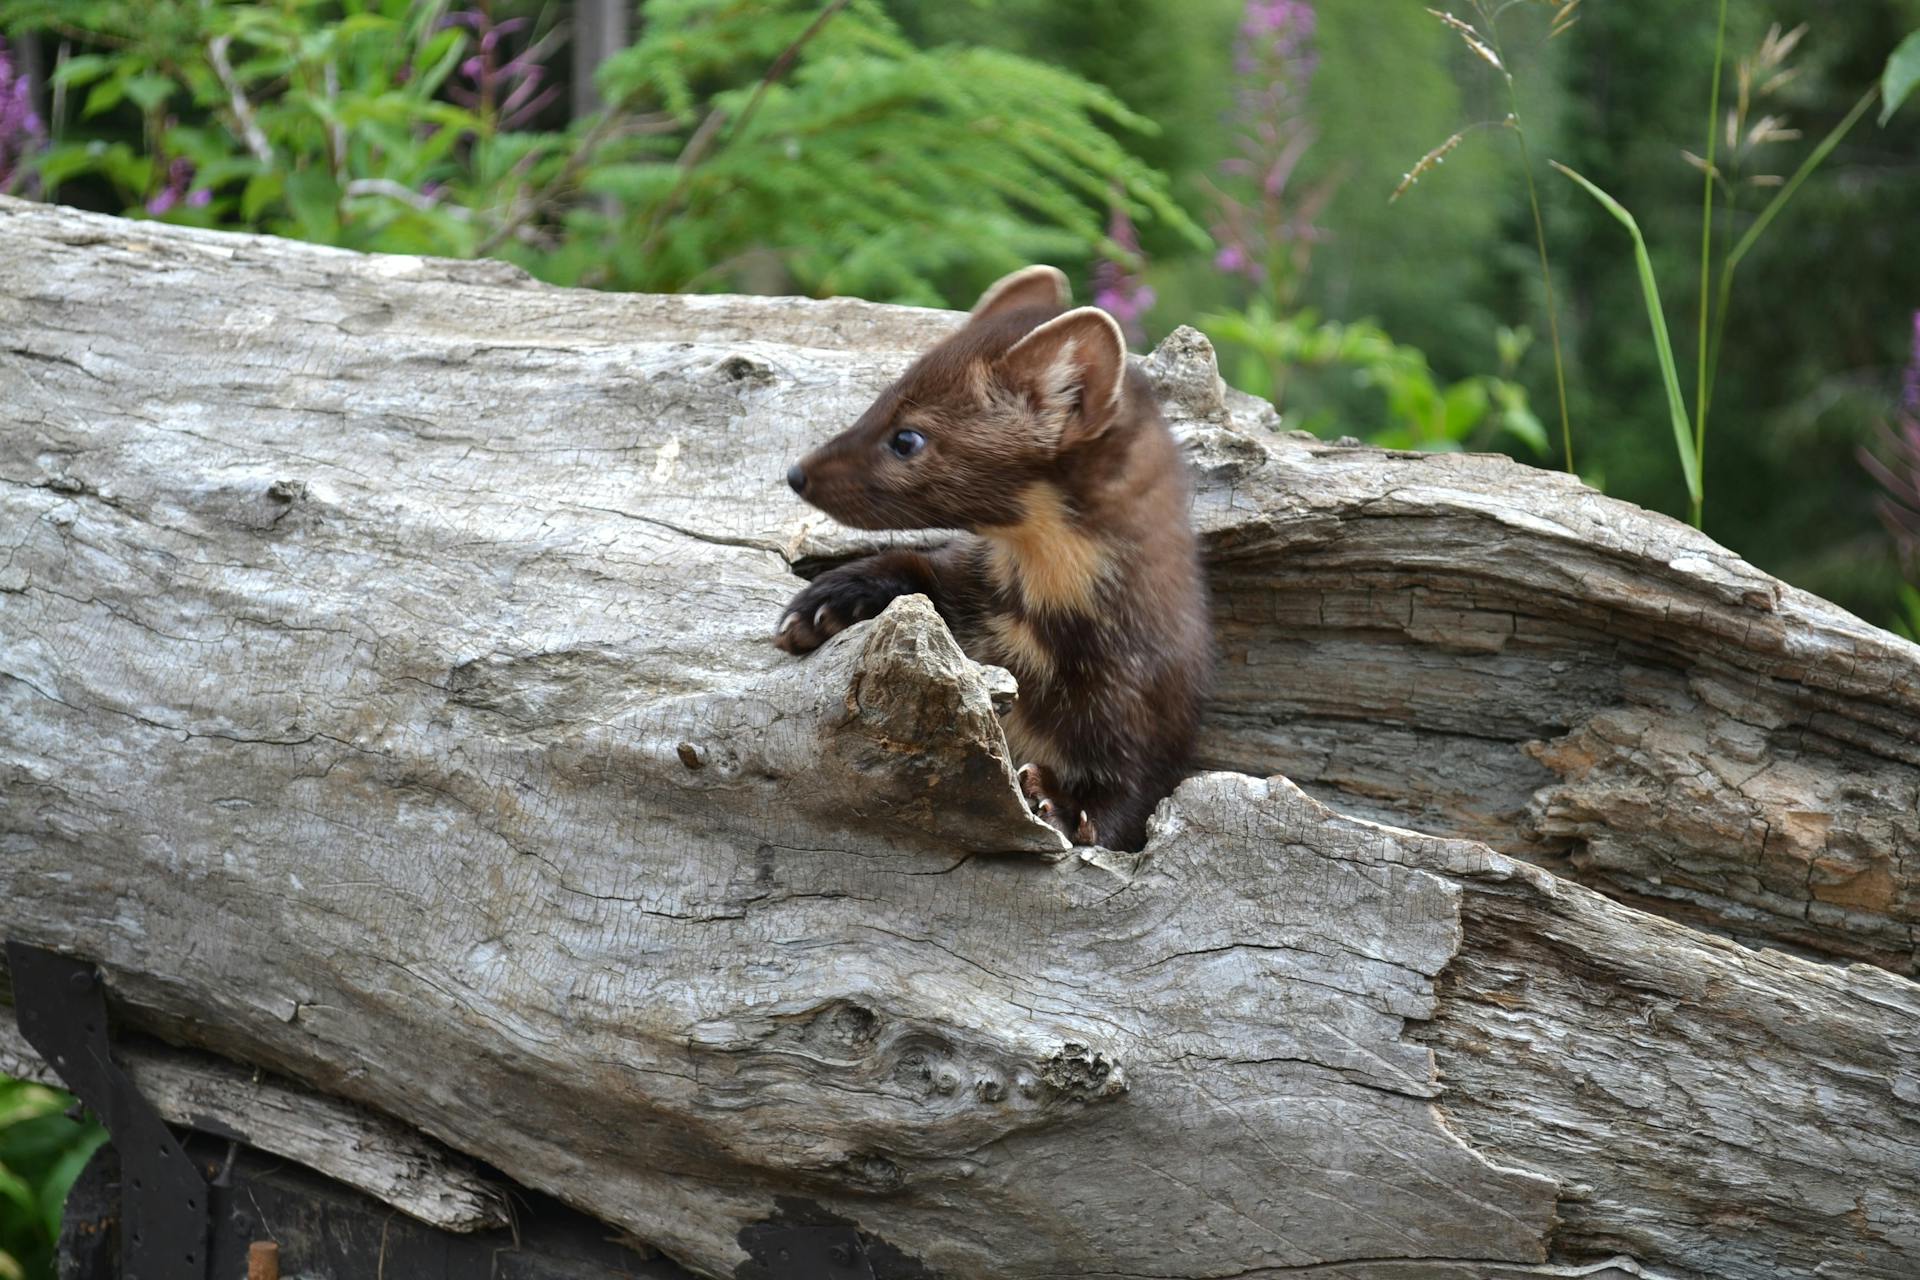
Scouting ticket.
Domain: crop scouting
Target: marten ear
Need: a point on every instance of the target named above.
(1073, 371)
(1027, 287)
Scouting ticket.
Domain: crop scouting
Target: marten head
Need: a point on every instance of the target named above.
(1009, 400)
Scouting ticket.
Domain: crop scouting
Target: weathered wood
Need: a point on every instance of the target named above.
(1462, 646)
(369, 1152)
(388, 702)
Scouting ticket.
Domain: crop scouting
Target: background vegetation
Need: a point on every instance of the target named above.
(1222, 162)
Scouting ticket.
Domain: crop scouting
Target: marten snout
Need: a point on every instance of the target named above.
(797, 479)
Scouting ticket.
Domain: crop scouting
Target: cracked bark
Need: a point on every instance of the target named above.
(387, 703)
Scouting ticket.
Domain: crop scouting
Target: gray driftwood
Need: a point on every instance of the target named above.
(387, 702)
(379, 1156)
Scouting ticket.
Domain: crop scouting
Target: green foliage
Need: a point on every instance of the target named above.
(1814, 336)
(1751, 125)
(886, 167)
(283, 120)
(1561, 15)
(750, 143)
(1770, 60)
(41, 1153)
(1264, 350)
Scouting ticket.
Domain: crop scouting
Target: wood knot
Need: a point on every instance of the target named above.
(875, 1172)
(1080, 1071)
(742, 369)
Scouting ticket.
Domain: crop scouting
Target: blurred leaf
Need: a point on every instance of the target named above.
(62, 161)
(39, 1136)
(82, 69)
(1909, 626)
(362, 24)
(1517, 419)
(1901, 77)
(104, 96)
(314, 198)
(261, 191)
(41, 1152)
(65, 1171)
(16, 1195)
(1465, 406)
(149, 91)
(637, 182)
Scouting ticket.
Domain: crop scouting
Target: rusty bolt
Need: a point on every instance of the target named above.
(263, 1260)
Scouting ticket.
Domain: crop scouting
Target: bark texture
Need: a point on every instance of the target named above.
(388, 702)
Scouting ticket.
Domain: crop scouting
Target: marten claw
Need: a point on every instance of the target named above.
(800, 633)
(1030, 785)
(1033, 785)
(792, 637)
(829, 605)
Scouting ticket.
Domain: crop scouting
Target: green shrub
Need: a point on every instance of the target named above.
(762, 144)
(41, 1153)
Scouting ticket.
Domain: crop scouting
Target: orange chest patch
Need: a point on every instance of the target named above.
(1019, 648)
(1053, 565)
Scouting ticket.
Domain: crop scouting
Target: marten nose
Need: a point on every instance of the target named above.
(797, 477)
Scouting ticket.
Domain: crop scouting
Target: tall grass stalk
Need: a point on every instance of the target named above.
(1706, 244)
(1662, 343)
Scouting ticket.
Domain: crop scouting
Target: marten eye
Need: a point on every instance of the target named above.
(906, 443)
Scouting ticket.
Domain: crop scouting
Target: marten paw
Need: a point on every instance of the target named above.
(829, 605)
(1081, 832)
(1034, 785)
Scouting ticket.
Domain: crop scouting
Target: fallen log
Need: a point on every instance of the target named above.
(388, 704)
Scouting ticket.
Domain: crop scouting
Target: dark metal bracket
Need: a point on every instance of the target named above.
(784, 1251)
(61, 1005)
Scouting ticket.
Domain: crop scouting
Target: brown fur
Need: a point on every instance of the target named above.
(1079, 572)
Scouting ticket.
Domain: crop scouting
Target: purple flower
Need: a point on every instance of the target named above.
(179, 175)
(1910, 389)
(1117, 288)
(509, 88)
(20, 129)
(1234, 260)
(1265, 230)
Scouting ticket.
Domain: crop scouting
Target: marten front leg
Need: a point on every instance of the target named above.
(854, 592)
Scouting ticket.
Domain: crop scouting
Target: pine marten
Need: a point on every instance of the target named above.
(1079, 573)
